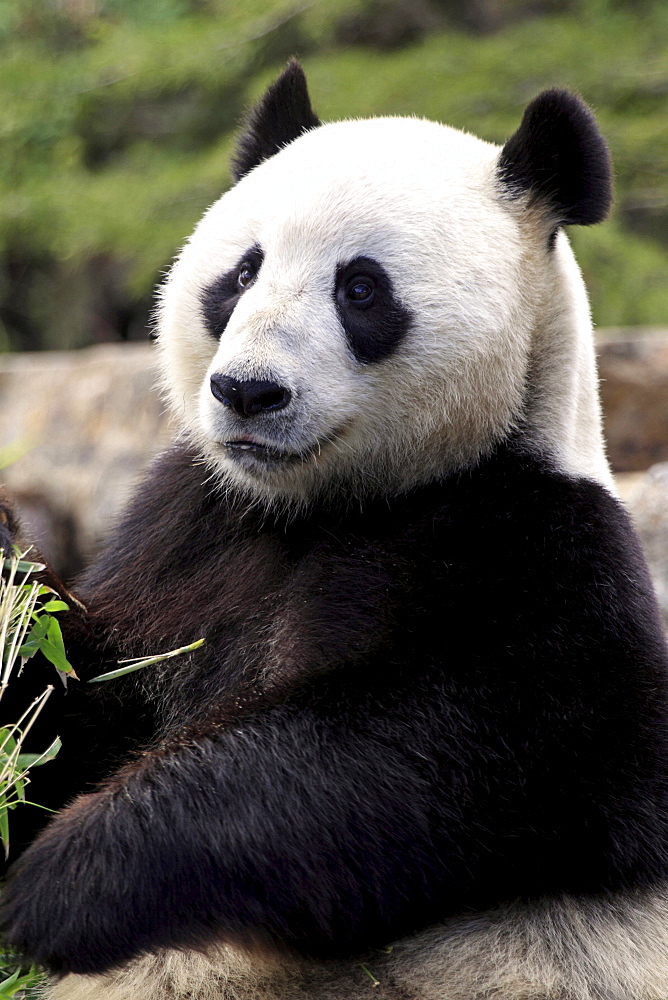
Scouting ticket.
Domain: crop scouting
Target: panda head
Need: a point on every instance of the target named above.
(377, 303)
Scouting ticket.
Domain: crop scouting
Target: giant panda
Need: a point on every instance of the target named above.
(423, 752)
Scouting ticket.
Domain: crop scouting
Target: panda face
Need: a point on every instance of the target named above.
(377, 303)
(355, 310)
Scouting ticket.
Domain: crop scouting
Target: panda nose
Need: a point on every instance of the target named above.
(249, 398)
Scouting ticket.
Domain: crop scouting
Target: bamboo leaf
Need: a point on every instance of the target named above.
(11, 981)
(13, 451)
(22, 566)
(51, 606)
(4, 823)
(7, 741)
(20, 792)
(35, 638)
(133, 665)
(21, 980)
(53, 648)
(27, 760)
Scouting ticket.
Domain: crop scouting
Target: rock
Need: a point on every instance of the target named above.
(646, 496)
(84, 424)
(634, 390)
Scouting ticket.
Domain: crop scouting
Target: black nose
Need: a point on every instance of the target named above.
(249, 398)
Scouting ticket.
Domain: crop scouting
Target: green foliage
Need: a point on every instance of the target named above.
(15, 766)
(19, 982)
(27, 626)
(117, 121)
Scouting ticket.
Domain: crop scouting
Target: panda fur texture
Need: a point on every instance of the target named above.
(425, 740)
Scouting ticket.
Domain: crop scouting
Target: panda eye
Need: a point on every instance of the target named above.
(361, 290)
(246, 275)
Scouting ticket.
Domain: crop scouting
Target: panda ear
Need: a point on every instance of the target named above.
(559, 156)
(282, 115)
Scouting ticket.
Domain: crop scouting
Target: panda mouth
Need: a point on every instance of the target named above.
(246, 449)
(264, 452)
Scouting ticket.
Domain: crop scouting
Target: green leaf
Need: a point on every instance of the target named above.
(20, 791)
(7, 741)
(374, 981)
(54, 606)
(13, 979)
(24, 567)
(4, 823)
(21, 980)
(145, 662)
(27, 760)
(53, 648)
(35, 638)
(13, 451)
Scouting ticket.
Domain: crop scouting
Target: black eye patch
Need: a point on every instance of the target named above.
(220, 297)
(374, 320)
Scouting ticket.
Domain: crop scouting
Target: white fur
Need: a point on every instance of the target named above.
(491, 305)
(605, 949)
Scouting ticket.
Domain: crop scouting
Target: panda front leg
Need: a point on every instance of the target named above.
(303, 834)
(293, 830)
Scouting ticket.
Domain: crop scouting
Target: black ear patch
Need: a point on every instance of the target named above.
(282, 115)
(559, 155)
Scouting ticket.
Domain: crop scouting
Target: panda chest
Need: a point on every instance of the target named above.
(276, 613)
(288, 616)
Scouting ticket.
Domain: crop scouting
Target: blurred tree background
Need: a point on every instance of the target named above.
(117, 119)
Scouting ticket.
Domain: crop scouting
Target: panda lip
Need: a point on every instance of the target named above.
(245, 445)
(264, 451)
(242, 447)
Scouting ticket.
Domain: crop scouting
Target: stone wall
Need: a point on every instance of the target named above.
(633, 366)
(84, 424)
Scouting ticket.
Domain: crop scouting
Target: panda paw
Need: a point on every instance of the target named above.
(54, 909)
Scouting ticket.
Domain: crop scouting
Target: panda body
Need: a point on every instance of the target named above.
(425, 740)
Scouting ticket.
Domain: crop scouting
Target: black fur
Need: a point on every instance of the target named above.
(219, 299)
(424, 707)
(8, 528)
(559, 155)
(282, 115)
(374, 329)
